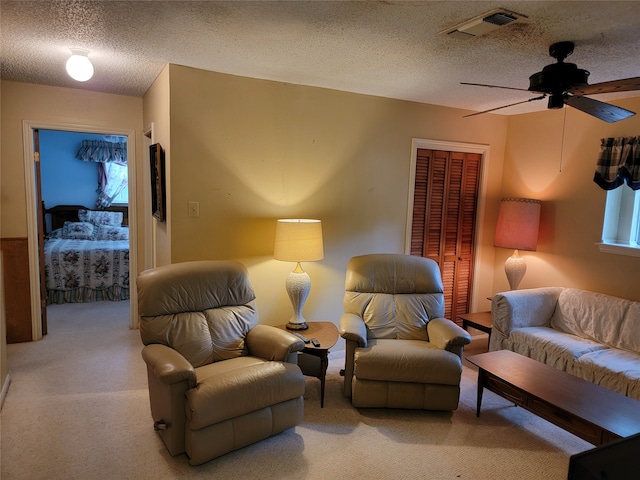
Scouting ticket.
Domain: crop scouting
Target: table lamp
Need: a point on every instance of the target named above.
(517, 228)
(298, 240)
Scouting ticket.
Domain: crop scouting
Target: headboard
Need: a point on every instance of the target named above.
(69, 213)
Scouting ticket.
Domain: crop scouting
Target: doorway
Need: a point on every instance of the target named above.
(29, 129)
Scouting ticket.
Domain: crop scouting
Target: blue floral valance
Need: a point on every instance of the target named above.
(618, 162)
(101, 151)
(111, 157)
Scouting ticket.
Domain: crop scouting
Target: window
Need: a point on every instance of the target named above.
(122, 197)
(621, 227)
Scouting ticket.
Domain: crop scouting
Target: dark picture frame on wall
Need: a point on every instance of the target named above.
(158, 188)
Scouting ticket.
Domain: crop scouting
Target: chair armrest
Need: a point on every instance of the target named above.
(446, 335)
(168, 365)
(272, 343)
(353, 328)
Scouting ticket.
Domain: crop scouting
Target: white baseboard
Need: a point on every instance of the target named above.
(5, 390)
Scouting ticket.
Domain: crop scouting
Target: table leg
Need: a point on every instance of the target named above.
(324, 364)
(480, 390)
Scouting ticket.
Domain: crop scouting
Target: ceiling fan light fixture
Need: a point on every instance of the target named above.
(78, 66)
(566, 84)
(556, 101)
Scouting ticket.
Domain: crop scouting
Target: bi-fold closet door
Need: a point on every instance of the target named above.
(444, 218)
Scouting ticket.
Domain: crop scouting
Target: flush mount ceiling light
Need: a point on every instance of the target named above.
(79, 66)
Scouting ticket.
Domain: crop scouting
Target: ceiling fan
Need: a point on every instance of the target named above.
(566, 84)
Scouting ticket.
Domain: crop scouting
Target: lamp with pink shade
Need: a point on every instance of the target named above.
(517, 228)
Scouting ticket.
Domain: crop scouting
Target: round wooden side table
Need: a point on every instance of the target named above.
(313, 361)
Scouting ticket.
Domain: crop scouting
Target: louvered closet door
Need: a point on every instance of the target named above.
(444, 217)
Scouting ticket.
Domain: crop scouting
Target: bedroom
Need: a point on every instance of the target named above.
(86, 246)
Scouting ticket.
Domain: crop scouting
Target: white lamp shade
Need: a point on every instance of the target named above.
(518, 223)
(79, 67)
(298, 240)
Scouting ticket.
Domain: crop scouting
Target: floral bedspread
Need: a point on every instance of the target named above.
(86, 270)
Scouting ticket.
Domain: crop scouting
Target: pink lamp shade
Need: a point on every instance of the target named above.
(518, 223)
(517, 228)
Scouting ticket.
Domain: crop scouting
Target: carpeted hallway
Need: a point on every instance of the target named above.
(78, 408)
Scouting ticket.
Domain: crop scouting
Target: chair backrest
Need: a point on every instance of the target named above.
(202, 309)
(396, 295)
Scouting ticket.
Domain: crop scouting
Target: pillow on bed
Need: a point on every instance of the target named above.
(100, 217)
(57, 233)
(108, 232)
(78, 231)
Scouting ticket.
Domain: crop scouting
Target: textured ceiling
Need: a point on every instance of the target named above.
(384, 48)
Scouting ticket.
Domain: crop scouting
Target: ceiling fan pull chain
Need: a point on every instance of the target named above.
(564, 124)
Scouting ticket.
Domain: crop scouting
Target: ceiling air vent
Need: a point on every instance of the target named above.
(483, 24)
(500, 18)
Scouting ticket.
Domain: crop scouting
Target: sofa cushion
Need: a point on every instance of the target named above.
(418, 363)
(550, 346)
(602, 318)
(224, 392)
(629, 329)
(614, 369)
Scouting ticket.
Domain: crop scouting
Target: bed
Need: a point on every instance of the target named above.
(86, 254)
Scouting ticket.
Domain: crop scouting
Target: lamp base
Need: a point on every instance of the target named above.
(515, 268)
(297, 326)
(298, 285)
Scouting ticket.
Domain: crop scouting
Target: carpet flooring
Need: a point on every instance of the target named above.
(78, 408)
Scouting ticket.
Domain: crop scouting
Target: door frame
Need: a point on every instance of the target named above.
(449, 146)
(28, 127)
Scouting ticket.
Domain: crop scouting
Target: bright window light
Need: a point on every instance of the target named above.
(621, 226)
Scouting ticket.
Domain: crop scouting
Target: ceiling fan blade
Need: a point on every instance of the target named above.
(603, 111)
(495, 86)
(622, 85)
(505, 106)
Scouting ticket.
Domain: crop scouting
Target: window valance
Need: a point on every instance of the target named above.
(618, 162)
(111, 157)
(102, 151)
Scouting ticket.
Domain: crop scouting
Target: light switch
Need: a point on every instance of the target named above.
(194, 209)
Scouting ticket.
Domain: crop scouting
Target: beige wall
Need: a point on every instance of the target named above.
(539, 163)
(157, 108)
(252, 151)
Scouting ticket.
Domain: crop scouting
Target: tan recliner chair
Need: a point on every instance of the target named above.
(400, 352)
(218, 381)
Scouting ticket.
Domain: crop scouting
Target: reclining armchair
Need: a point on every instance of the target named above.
(218, 381)
(400, 352)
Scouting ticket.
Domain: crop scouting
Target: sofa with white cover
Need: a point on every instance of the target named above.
(591, 335)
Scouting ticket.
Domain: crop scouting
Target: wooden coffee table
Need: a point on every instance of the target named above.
(587, 410)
